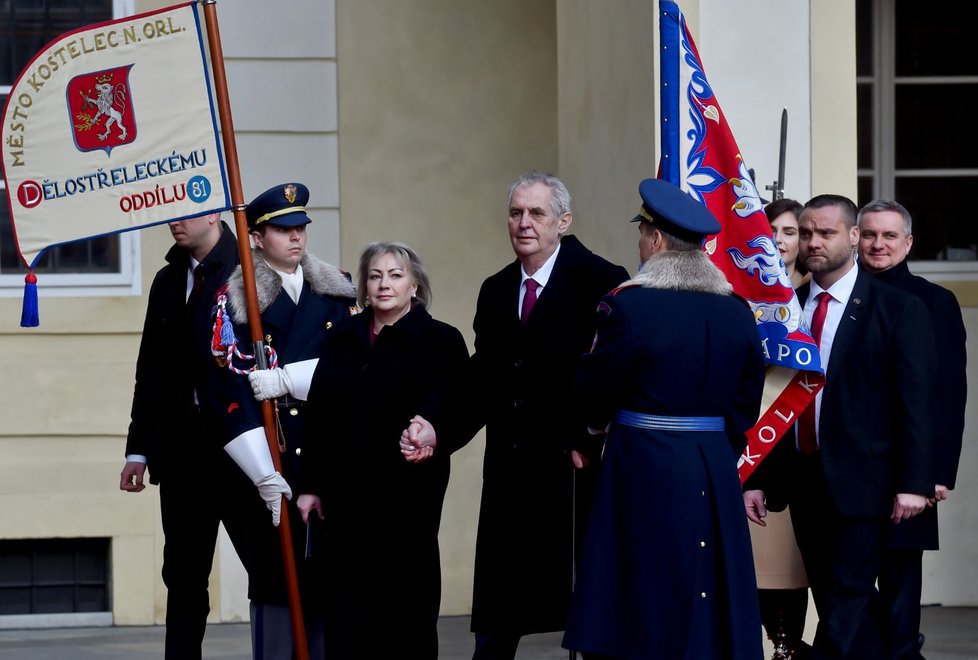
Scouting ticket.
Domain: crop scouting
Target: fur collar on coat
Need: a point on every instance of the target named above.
(682, 271)
(323, 279)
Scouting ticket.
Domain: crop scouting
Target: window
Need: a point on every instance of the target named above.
(85, 267)
(917, 80)
(47, 576)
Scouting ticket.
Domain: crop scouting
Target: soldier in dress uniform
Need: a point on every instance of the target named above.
(300, 299)
(675, 375)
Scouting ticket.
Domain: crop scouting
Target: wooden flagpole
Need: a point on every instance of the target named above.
(254, 316)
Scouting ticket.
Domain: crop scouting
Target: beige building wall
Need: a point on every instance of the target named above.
(607, 114)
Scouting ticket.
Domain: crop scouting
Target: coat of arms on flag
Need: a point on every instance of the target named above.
(100, 109)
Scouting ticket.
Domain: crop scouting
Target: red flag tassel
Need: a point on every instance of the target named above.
(28, 317)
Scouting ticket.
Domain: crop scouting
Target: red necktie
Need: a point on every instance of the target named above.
(529, 299)
(807, 441)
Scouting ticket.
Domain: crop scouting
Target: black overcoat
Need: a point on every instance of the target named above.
(519, 386)
(174, 359)
(951, 394)
(382, 578)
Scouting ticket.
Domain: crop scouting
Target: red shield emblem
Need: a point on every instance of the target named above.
(100, 107)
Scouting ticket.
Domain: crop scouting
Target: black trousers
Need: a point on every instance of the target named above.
(842, 556)
(900, 583)
(196, 494)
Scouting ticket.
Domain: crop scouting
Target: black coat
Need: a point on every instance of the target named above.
(951, 394)
(519, 386)
(174, 358)
(382, 577)
(666, 570)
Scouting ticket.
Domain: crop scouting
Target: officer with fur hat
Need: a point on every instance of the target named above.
(675, 375)
(300, 299)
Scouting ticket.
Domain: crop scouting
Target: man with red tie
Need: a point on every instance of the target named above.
(533, 321)
(862, 457)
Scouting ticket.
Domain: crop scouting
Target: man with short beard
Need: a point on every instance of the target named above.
(885, 239)
(862, 457)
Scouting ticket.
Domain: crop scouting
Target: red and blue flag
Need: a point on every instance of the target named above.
(701, 157)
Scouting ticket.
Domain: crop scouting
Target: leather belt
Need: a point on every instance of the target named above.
(287, 401)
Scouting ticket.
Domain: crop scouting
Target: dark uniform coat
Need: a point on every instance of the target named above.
(519, 387)
(666, 570)
(920, 532)
(296, 332)
(382, 576)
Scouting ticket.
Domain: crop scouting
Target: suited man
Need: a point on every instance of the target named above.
(533, 321)
(173, 430)
(885, 239)
(863, 461)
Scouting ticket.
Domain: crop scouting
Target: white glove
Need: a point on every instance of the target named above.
(250, 452)
(270, 383)
(271, 488)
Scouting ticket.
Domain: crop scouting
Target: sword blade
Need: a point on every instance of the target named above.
(779, 193)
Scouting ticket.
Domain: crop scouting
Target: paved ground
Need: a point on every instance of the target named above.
(952, 634)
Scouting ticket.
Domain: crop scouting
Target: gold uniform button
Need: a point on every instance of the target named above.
(298, 451)
(703, 595)
(268, 339)
(293, 411)
(702, 493)
(702, 544)
(329, 325)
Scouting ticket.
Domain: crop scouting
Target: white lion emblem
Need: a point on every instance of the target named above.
(108, 96)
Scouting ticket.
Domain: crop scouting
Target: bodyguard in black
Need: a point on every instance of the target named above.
(885, 240)
(300, 299)
(865, 464)
(174, 431)
(676, 375)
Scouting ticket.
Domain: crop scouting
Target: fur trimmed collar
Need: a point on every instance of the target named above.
(323, 279)
(682, 271)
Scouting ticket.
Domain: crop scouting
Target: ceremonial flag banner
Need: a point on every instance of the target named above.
(112, 128)
(700, 156)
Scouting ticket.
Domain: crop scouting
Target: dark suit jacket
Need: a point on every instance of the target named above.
(876, 421)
(519, 385)
(174, 357)
(950, 394)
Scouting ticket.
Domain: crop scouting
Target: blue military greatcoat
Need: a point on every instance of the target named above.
(666, 569)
